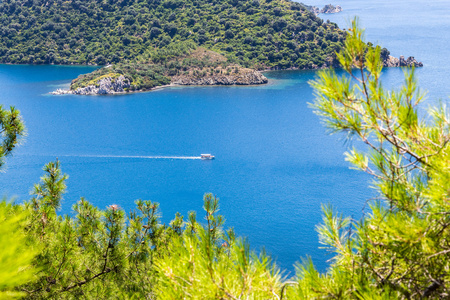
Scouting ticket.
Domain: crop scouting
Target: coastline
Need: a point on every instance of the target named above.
(60, 92)
(115, 83)
(161, 87)
(121, 85)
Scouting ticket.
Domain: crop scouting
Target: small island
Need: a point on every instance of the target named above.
(197, 66)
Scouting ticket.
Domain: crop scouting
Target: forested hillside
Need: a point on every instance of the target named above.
(252, 33)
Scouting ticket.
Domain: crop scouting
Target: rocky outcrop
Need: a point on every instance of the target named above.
(108, 85)
(61, 92)
(327, 9)
(401, 62)
(243, 77)
(330, 9)
(104, 86)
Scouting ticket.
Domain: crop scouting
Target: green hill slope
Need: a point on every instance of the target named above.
(258, 34)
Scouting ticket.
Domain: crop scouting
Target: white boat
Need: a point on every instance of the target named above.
(206, 156)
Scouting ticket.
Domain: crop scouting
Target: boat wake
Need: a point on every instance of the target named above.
(126, 156)
(133, 156)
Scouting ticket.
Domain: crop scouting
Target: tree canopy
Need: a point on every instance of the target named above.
(12, 130)
(400, 248)
(252, 33)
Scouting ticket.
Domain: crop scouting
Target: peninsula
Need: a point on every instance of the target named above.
(145, 44)
(197, 67)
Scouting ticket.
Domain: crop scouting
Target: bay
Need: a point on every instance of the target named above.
(275, 164)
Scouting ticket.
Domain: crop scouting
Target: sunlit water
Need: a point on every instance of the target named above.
(275, 164)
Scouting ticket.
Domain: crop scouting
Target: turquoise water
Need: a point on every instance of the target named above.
(275, 164)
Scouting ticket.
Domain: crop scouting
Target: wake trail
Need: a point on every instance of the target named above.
(131, 156)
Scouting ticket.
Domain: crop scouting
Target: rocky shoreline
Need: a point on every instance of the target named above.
(401, 62)
(121, 84)
(242, 76)
(327, 9)
(104, 86)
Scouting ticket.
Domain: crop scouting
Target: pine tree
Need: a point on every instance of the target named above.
(12, 129)
(16, 254)
(399, 249)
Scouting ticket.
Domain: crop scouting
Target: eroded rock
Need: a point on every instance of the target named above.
(104, 86)
(401, 62)
(244, 77)
(327, 9)
(331, 9)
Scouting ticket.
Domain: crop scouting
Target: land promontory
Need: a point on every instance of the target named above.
(198, 66)
(149, 43)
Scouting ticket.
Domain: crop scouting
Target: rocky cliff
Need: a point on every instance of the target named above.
(121, 84)
(330, 9)
(327, 9)
(103, 86)
(243, 77)
(401, 62)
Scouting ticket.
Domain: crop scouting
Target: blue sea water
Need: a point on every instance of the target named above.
(275, 164)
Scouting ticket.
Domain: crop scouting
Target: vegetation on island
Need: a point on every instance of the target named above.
(182, 59)
(398, 250)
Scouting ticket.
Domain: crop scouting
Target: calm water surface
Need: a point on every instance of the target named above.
(275, 165)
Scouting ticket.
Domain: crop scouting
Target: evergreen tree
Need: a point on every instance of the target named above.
(399, 249)
(12, 129)
(110, 254)
(16, 254)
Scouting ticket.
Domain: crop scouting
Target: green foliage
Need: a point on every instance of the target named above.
(111, 254)
(12, 130)
(151, 69)
(100, 254)
(149, 41)
(49, 192)
(207, 263)
(264, 34)
(155, 68)
(170, 52)
(15, 256)
(399, 250)
(141, 76)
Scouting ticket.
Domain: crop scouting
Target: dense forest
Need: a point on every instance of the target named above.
(260, 34)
